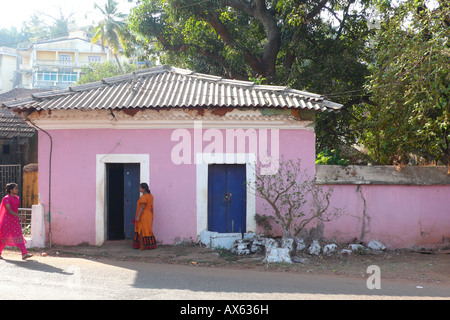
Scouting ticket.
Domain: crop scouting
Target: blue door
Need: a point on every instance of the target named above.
(131, 177)
(227, 198)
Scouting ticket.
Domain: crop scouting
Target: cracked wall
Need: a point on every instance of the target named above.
(401, 210)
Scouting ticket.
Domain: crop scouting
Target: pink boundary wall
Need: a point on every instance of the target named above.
(399, 216)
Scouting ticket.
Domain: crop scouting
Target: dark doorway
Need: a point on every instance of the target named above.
(122, 196)
(115, 191)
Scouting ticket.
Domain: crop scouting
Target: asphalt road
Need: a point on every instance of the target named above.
(58, 278)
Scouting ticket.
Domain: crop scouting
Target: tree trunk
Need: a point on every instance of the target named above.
(118, 63)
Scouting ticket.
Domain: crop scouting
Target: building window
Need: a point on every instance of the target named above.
(60, 77)
(65, 59)
(94, 59)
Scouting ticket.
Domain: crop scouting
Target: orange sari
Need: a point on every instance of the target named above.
(144, 238)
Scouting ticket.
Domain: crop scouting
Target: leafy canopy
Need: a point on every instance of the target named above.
(410, 86)
(318, 46)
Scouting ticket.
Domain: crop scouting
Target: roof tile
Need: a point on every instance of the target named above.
(167, 86)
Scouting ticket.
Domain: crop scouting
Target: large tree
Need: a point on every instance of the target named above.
(36, 28)
(10, 37)
(408, 121)
(241, 38)
(319, 46)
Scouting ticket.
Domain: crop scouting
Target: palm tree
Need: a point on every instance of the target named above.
(110, 29)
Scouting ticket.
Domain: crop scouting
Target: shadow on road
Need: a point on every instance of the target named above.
(36, 266)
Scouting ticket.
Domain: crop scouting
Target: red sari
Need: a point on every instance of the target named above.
(10, 228)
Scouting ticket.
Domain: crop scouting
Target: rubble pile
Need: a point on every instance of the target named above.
(287, 250)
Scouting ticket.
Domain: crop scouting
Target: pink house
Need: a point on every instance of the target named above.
(194, 138)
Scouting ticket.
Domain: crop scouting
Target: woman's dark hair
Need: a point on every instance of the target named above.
(10, 186)
(145, 187)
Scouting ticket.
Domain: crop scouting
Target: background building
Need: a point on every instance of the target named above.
(51, 64)
(9, 64)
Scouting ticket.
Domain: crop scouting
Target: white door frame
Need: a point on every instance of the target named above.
(100, 199)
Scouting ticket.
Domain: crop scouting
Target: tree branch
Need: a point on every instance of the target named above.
(258, 10)
(213, 19)
(315, 11)
(184, 47)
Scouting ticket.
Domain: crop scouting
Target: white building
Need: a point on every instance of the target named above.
(50, 64)
(9, 59)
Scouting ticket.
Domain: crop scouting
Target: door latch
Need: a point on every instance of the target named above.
(227, 196)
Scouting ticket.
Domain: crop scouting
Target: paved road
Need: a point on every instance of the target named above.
(76, 278)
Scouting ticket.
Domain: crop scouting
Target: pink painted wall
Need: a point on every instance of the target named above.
(73, 172)
(399, 216)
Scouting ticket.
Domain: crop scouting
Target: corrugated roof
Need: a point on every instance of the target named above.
(172, 87)
(11, 125)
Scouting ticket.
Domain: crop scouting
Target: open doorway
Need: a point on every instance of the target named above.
(122, 194)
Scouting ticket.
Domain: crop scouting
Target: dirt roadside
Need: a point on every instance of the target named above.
(417, 267)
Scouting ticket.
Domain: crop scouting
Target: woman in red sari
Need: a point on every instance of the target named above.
(144, 238)
(10, 229)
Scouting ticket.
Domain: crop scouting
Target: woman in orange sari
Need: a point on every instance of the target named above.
(144, 238)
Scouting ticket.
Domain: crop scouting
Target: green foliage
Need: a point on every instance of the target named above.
(393, 81)
(96, 71)
(410, 85)
(241, 39)
(110, 31)
(35, 29)
(10, 37)
(265, 222)
(331, 157)
(318, 46)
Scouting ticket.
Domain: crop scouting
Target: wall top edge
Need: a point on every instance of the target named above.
(382, 175)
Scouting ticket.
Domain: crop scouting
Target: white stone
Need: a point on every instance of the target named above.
(241, 247)
(329, 248)
(300, 244)
(346, 252)
(224, 240)
(287, 243)
(314, 248)
(257, 243)
(280, 255)
(249, 236)
(356, 247)
(375, 245)
(259, 240)
(205, 237)
(270, 243)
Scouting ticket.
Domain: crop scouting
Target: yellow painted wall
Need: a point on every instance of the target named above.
(30, 193)
(83, 57)
(46, 55)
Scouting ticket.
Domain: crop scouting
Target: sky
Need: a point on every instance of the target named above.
(14, 12)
